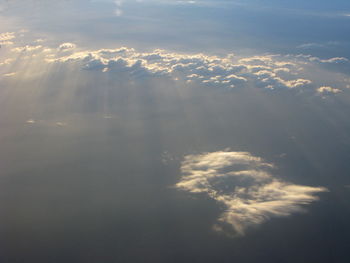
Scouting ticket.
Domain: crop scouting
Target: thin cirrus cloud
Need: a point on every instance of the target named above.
(244, 185)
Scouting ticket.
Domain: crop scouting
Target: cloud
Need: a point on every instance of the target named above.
(318, 45)
(66, 46)
(9, 74)
(27, 48)
(118, 11)
(31, 121)
(245, 187)
(46, 123)
(335, 60)
(336, 64)
(61, 124)
(196, 69)
(6, 38)
(273, 72)
(328, 90)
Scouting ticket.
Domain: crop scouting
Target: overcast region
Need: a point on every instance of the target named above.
(243, 184)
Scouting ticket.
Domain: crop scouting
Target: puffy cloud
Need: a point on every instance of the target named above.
(198, 69)
(336, 64)
(295, 83)
(27, 48)
(328, 90)
(66, 46)
(5, 38)
(268, 71)
(244, 186)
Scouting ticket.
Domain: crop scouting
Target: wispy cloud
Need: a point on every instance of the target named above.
(9, 74)
(31, 121)
(118, 7)
(244, 185)
(318, 45)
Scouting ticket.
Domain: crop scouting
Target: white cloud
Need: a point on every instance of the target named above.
(6, 38)
(328, 90)
(6, 62)
(39, 40)
(118, 10)
(268, 71)
(66, 46)
(47, 123)
(318, 45)
(31, 121)
(9, 74)
(61, 124)
(27, 48)
(330, 60)
(244, 186)
(198, 69)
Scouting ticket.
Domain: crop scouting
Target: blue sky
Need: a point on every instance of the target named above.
(218, 26)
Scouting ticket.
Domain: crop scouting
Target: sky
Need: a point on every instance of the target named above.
(174, 131)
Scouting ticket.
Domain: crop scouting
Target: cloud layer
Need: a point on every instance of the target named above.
(245, 187)
(271, 72)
